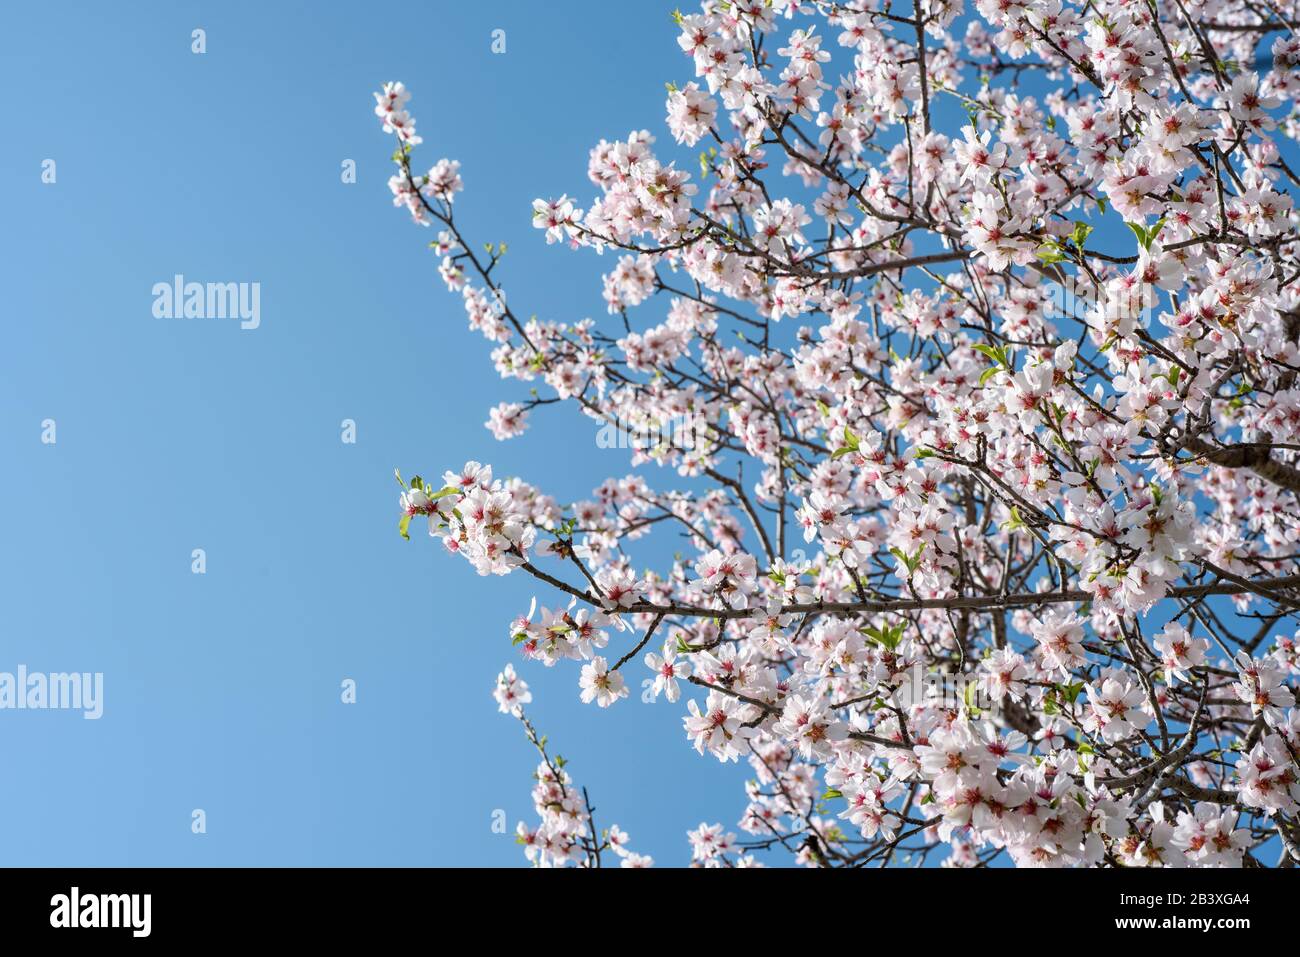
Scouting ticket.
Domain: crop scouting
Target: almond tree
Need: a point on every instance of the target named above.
(961, 349)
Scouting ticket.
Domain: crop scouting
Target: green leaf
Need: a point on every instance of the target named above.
(851, 444)
(403, 524)
(888, 637)
(1050, 254)
(1014, 522)
(1154, 231)
(831, 793)
(911, 561)
(996, 354)
(1145, 236)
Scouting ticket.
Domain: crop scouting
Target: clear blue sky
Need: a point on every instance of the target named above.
(222, 691)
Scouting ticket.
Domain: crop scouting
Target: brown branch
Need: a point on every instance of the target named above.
(1253, 457)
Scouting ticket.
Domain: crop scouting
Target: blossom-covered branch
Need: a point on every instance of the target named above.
(957, 351)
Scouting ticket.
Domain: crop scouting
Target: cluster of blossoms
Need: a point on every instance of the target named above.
(565, 834)
(987, 321)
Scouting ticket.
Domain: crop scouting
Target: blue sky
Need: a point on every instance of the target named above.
(222, 690)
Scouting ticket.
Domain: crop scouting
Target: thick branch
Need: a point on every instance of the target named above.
(1253, 457)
